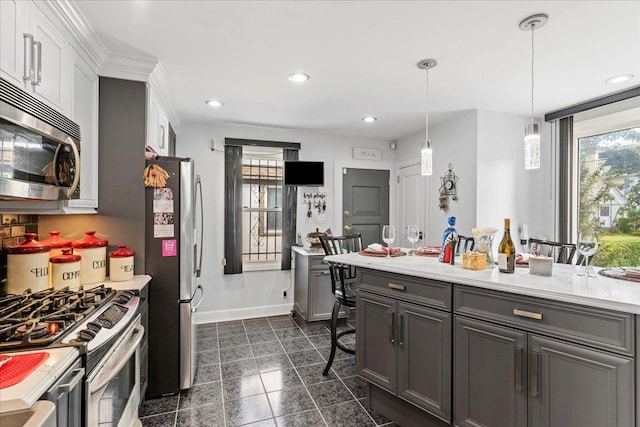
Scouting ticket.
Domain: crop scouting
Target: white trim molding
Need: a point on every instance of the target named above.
(241, 313)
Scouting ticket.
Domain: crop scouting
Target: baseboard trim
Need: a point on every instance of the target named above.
(241, 313)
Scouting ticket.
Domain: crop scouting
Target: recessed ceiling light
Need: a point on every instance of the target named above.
(618, 79)
(214, 103)
(298, 77)
(369, 119)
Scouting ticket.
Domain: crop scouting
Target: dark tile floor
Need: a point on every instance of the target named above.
(266, 372)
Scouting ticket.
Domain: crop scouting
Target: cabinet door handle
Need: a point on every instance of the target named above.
(400, 332)
(37, 67)
(518, 368)
(397, 286)
(391, 327)
(27, 75)
(533, 369)
(528, 314)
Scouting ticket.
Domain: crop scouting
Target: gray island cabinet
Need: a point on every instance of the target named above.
(439, 346)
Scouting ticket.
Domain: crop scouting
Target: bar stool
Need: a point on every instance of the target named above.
(343, 287)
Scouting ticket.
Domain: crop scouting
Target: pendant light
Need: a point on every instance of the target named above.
(532, 130)
(427, 152)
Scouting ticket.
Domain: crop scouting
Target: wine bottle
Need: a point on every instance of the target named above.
(507, 250)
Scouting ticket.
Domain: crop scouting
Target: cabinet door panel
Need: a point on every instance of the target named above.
(489, 389)
(579, 386)
(84, 111)
(13, 23)
(321, 298)
(375, 338)
(424, 358)
(53, 60)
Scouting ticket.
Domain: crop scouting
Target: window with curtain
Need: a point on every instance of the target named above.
(260, 211)
(599, 179)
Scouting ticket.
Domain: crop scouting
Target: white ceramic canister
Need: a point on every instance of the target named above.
(93, 265)
(28, 266)
(65, 270)
(121, 264)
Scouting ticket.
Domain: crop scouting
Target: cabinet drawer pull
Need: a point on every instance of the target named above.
(397, 286)
(529, 314)
(518, 368)
(400, 332)
(391, 328)
(533, 363)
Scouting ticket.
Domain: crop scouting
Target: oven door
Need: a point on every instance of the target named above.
(113, 387)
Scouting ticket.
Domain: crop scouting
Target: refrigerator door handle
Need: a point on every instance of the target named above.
(199, 256)
(195, 307)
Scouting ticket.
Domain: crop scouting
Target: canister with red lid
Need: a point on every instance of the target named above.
(93, 265)
(121, 264)
(65, 269)
(56, 243)
(28, 266)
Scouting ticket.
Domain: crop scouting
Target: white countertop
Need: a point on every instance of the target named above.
(135, 284)
(564, 285)
(27, 392)
(307, 251)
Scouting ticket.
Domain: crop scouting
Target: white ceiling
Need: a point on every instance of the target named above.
(362, 55)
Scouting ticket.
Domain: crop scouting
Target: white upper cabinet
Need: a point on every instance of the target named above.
(83, 109)
(34, 52)
(157, 124)
(13, 24)
(50, 50)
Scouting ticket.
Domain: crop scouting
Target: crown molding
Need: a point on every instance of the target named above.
(126, 66)
(160, 84)
(78, 26)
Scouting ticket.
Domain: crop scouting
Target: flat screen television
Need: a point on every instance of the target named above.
(309, 174)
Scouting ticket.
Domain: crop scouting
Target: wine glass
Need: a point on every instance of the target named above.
(412, 236)
(587, 245)
(388, 235)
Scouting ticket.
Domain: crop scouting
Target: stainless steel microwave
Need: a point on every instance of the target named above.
(39, 149)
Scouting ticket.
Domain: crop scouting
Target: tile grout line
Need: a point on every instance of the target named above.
(224, 406)
(295, 368)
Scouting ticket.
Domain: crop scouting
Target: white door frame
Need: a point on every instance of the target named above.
(340, 164)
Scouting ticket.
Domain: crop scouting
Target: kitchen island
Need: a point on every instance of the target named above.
(440, 345)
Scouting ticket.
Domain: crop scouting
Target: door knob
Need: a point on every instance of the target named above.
(346, 214)
(347, 228)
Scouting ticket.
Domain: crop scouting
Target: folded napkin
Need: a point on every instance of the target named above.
(522, 258)
(381, 249)
(429, 249)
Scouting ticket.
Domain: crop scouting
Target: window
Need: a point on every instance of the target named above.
(607, 181)
(262, 181)
(259, 212)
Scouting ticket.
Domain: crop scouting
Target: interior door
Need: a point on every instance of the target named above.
(411, 202)
(365, 203)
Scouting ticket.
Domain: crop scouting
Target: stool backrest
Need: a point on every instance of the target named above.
(465, 244)
(341, 274)
(562, 253)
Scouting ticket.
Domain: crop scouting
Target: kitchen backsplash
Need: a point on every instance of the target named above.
(12, 229)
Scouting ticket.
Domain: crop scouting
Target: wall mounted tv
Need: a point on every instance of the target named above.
(310, 174)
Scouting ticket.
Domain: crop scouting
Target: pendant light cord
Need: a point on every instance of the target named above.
(533, 28)
(426, 115)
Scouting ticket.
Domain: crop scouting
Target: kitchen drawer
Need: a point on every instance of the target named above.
(605, 329)
(426, 292)
(317, 263)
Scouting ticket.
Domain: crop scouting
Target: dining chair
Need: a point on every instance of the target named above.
(562, 253)
(343, 287)
(465, 244)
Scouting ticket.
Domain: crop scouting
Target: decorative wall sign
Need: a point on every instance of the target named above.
(367, 154)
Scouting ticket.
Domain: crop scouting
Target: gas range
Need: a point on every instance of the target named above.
(41, 319)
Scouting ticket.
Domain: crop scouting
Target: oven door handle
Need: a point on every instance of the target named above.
(139, 331)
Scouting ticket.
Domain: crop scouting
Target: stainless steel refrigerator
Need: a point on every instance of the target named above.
(173, 234)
